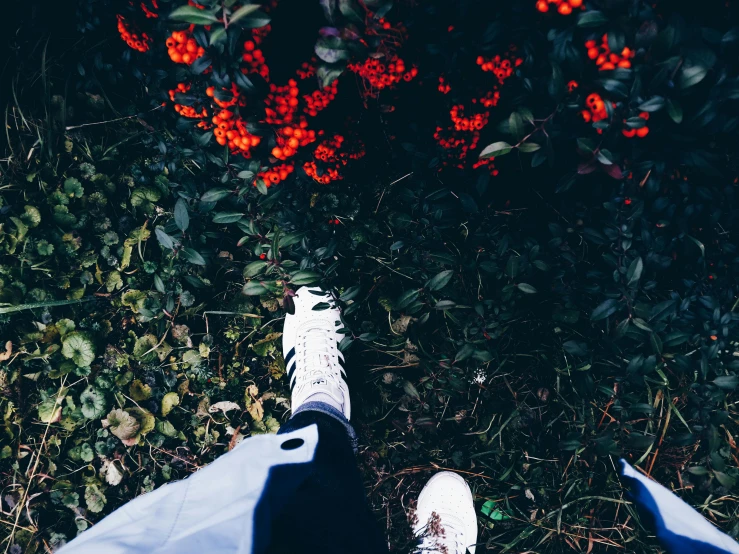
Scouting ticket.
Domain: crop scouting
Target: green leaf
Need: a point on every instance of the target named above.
(654, 104)
(411, 390)
(95, 499)
(50, 410)
(169, 401)
(691, 76)
(254, 288)
(525, 287)
(181, 215)
(351, 10)
(164, 239)
(440, 280)
(592, 19)
(139, 391)
(242, 12)
(193, 15)
(587, 145)
(193, 256)
(254, 268)
(327, 74)
(122, 424)
(227, 217)
(515, 125)
(406, 298)
(217, 35)
(93, 403)
(726, 382)
(675, 111)
(79, 348)
(633, 274)
(529, 147)
(166, 428)
(255, 20)
(496, 149)
(331, 51)
(305, 278)
(604, 310)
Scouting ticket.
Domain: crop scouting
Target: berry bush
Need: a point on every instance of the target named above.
(526, 210)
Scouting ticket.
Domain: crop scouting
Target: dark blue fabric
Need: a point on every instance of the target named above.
(321, 506)
(674, 544)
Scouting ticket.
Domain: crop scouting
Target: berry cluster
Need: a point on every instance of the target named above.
(596, 109)
(231, 130)
(501, 66)
(185, 111)
(182, 48)
(235, 97)
(456, 144)
(149, 12)
(275, 175)
(377, 75)
(332, 159)
(490, 99)
(334, 221)
(463, 123)
(291, 137)
(564, 7)
(320, 99)
(282, 103)
(486, 162)
(253, 57)
(444, 87)
(307, 69)
(134, 40)
(605, 59)
(641, 132)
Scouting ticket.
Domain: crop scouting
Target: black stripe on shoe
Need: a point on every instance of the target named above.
(289, 356)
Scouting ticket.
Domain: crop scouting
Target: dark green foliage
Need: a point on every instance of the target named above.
(524, 329)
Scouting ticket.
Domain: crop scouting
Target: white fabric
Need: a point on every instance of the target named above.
(678, 518)
(210, 511)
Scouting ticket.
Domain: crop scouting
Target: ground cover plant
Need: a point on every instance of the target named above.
(528, 212)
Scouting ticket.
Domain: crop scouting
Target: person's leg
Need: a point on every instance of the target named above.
(329, 512)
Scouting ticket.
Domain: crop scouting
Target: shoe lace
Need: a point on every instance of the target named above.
(319, 354)
(447, 537)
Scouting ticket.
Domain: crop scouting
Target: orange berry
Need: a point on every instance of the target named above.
(575, 3)
(176, 57)
(642, 132)
(210, 91)
(626, 64)
(593, 53)
(186, 58)
(221, 140)
(277, 152)
(626, 52)
(541, 5)
(629, 133)
(564, 9)
(608, 66)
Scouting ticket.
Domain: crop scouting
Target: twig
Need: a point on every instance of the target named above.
(69, 128)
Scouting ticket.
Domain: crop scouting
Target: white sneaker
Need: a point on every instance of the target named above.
(447, 522)
(310, 345)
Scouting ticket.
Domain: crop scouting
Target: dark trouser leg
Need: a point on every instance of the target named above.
(329, 511)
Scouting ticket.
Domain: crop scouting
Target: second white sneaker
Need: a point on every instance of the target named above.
(310, 345)
(447, 522)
